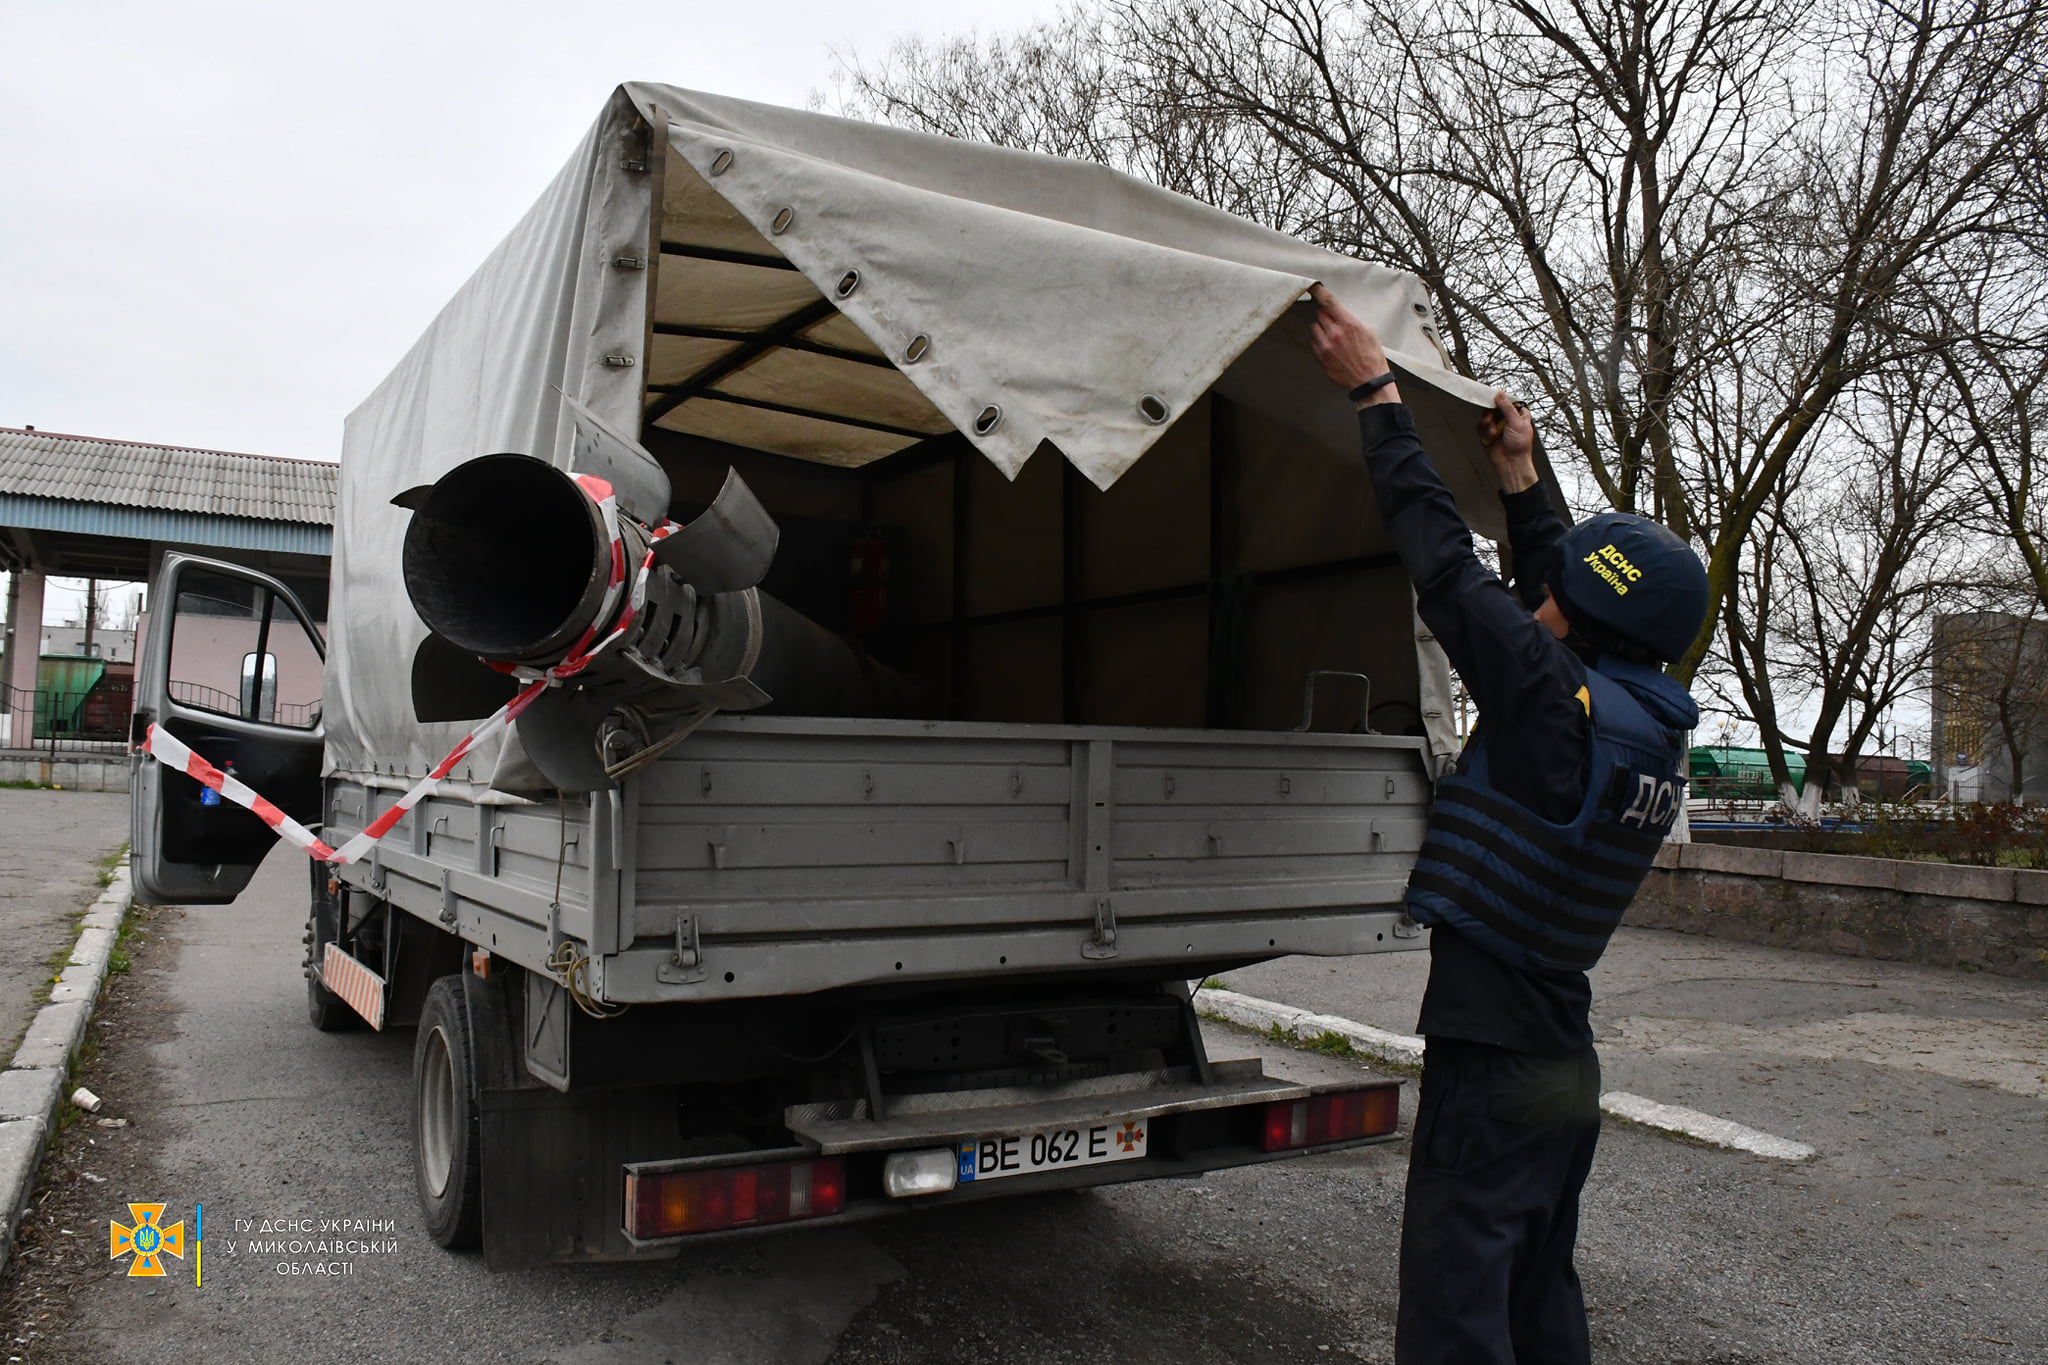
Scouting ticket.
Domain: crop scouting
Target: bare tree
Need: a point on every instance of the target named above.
(1999, 375)
(1861, 547)
(1047, 88)
(1618, 204)
(123, 616)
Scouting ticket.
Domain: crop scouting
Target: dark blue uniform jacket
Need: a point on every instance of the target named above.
(1525, 682)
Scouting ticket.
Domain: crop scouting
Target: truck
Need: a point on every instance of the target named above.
(832, 632)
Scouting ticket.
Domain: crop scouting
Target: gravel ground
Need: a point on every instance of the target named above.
(1921, 1224)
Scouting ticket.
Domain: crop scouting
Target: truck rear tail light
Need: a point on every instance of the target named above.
(1340, 1116)
(672, 1203)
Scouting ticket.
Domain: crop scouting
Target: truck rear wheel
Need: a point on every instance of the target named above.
(328, 1012)
(447, 1146)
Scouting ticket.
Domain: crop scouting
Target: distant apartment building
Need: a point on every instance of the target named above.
(1990, 703)
(108, 644)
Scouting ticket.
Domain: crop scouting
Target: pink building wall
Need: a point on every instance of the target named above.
(207, 652)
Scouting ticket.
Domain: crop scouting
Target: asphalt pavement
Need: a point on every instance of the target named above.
(1897, 1243)
(1924, 1092)
(50, 842)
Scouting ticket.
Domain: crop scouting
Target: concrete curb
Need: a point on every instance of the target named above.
(32, 1086)
(1405, 1049)
(1248, 1011)
(72, 772)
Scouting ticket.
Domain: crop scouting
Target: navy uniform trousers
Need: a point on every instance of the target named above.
(1503, 1142)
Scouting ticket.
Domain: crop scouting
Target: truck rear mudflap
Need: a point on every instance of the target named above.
(952, 1147)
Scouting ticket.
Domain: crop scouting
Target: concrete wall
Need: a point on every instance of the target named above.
(72, 772)
(1992, 919)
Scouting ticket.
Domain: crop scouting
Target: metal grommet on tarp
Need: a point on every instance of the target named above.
(985, 420)
(914, 352)
(721, 161)
(848, 282)
(1153, 409)
(780, 224)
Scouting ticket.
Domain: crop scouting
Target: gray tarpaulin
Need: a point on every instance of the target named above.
(1044, 301)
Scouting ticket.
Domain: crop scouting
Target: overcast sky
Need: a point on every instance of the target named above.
(224, 223)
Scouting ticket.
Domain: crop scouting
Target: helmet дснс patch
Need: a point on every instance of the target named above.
(1631, 578)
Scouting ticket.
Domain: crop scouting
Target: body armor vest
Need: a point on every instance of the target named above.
(1548, 896)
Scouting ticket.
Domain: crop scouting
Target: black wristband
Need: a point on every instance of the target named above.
(1371, 387)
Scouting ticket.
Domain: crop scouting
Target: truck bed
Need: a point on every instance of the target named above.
(789, 855)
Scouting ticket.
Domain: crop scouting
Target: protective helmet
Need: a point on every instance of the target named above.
(1630, 587)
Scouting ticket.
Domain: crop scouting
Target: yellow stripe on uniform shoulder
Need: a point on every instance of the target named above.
(1586, 700)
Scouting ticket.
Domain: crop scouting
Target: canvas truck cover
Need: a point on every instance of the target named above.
(1025, 301)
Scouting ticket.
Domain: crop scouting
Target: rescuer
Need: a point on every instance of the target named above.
(1537, 843)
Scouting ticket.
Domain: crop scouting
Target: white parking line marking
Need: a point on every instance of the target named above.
(1249, 1011)
(1674, 1118)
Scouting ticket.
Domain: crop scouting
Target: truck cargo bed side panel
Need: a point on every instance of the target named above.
(802, 854)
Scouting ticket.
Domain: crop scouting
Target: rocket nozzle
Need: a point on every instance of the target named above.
(506, 559)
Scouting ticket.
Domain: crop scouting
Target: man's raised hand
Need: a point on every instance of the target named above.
(1346, 348)
(1510, 440)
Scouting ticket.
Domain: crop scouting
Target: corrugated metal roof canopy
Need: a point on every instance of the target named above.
(219, 483)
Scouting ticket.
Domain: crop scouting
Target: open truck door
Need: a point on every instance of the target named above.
(231, 667)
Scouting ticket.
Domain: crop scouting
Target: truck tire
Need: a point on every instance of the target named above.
(328, 1012)
(447, 1145)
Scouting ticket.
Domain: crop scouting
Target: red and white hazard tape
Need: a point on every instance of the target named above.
(168, 750)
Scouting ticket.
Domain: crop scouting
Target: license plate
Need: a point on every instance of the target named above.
(1051, 1149)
